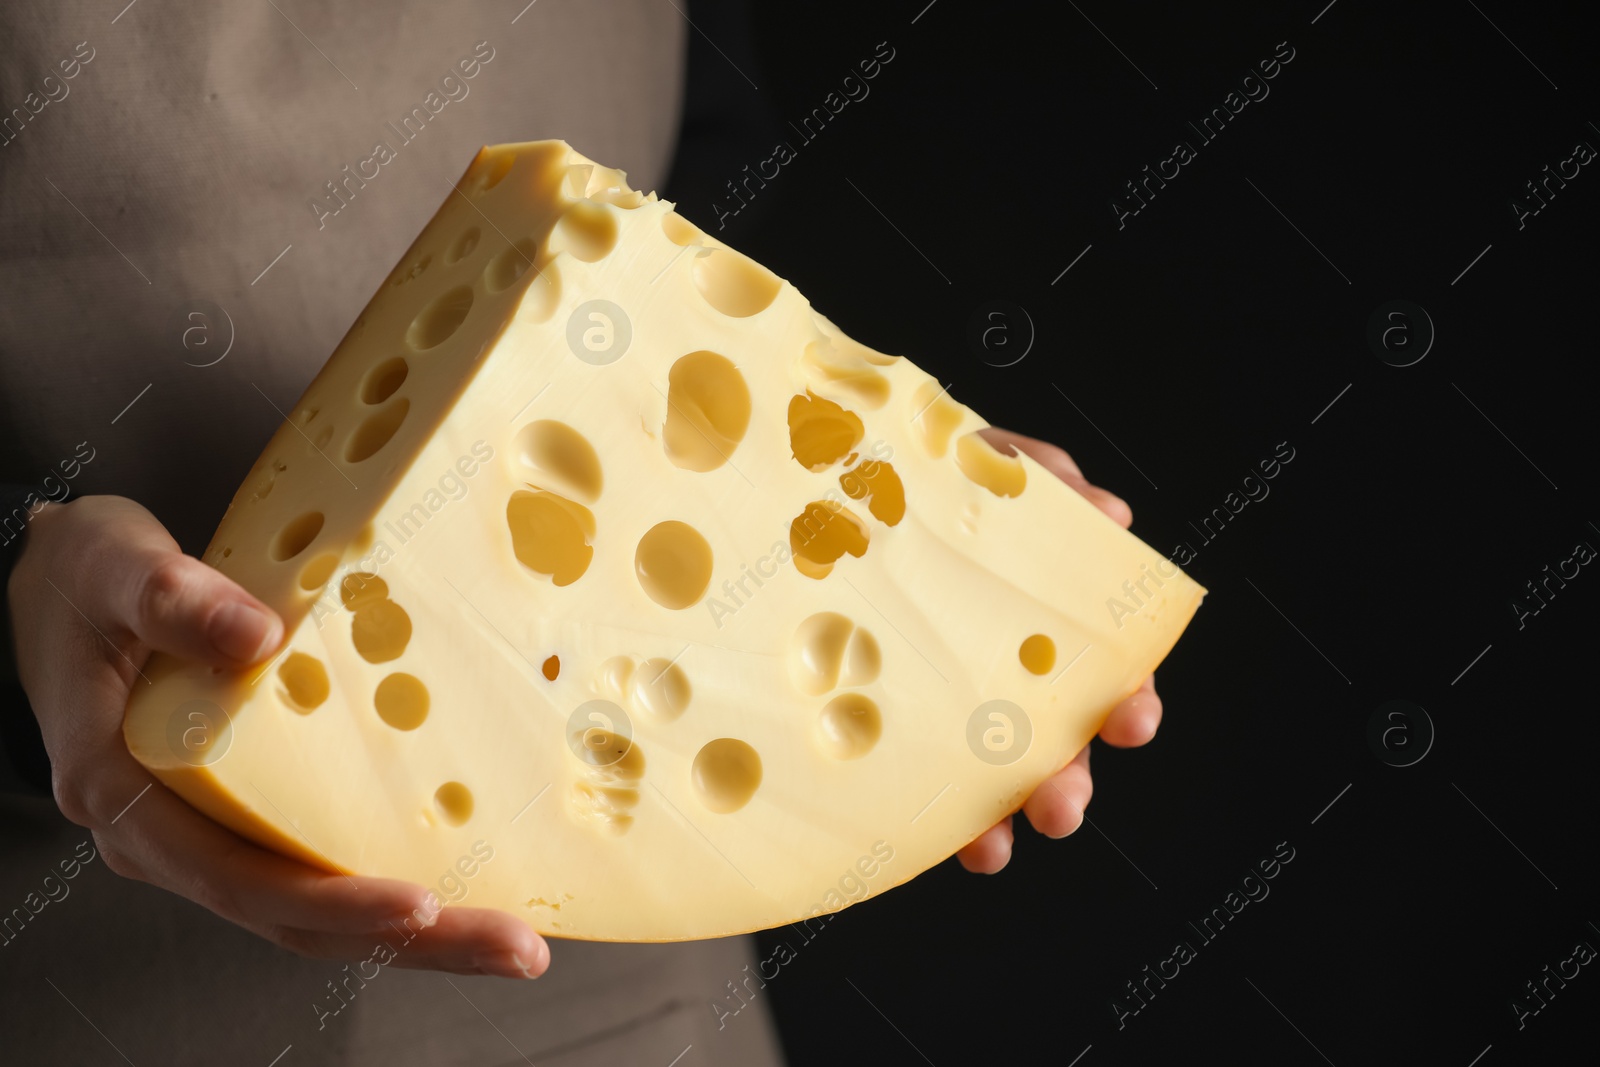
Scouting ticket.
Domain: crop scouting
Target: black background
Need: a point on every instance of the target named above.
(1198, 337)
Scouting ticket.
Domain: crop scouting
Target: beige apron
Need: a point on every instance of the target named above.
(178, 158)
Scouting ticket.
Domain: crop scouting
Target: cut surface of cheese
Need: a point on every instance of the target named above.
(624, 592)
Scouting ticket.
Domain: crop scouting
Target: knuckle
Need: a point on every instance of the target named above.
(1055, 457)
(69, 798)
(161, 591)
(215, 895)
(117, 859)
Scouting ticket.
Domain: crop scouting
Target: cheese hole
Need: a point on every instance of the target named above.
(380, 631)
(627, 199)
(849, 726)
(294, 538)
(602, 798)
(555, 452)
(821, 433)
(734, 284)
(609, 756)
(673, 564)
(493, 171)
(726, 774)
(603, 808)
(661, 688)
(551, 668)
(680, 231)
(551, 535)
(604, 184)
(577, 180)
(375, 432)
(817, 649)
(876, 482)
(708, 411)
(509, 265)
(444, 315)
(587, 231)
(983, 464)
(1038, 654)
(827, 650)
(318, 571)
(463, 246)
(935, 417)
(613, 675)
(454, 802)
(267, 480)
(823, 533)
(539, 299)
(382, 381)
(863, 659)
(832, 367)
(323, 437)
(305, 682)
(359, 588)
(402, 701)
(414, 271)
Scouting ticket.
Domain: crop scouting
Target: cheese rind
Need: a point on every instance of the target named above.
(601, 551)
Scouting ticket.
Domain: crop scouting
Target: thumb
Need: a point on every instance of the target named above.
(173, 603)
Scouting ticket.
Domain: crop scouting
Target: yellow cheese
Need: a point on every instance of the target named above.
(603, 554)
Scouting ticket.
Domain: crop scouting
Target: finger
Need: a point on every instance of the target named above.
(463, 941)
(1134, 721)
(181, 850)
(1056, 808)
(490, 940)
(1110, 504)
(990, 851)
(151, 834)
(174, 603)
(1055, 459)
(169, 601)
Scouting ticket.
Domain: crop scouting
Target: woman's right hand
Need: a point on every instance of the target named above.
(99, 586)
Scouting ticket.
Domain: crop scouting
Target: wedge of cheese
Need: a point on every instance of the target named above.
(625, 593)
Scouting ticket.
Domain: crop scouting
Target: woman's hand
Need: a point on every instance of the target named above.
(100, 585)
(1056, 808)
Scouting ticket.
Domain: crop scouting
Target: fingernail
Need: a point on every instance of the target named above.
(242, 632)
(501, 964)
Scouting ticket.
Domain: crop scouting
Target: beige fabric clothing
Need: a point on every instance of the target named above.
(166, 982)
(170, 155)
(181, 161)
